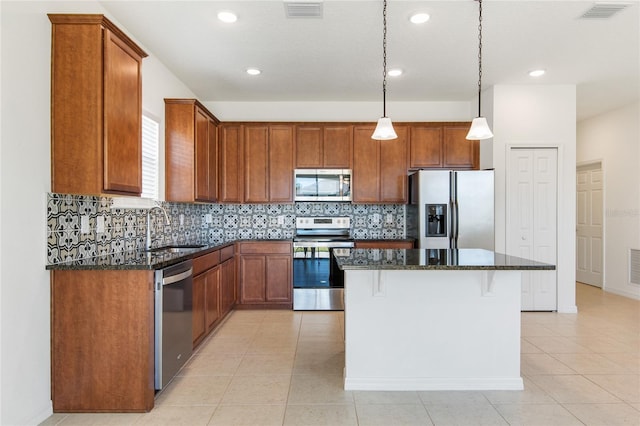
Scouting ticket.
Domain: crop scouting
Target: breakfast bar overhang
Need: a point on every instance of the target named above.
(433, 319)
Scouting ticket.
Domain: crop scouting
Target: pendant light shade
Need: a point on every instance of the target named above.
(479, 127)
(384, 129)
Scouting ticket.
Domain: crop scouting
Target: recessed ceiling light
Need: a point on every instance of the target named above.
(536, 73)
(395, 72)
(227, 17)
(253, 71)
(419, 18)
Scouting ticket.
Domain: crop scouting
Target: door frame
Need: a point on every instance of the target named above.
(604, 215)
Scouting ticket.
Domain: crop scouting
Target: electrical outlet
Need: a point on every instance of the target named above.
(84, 224)
(208, 218)
(376, 218)
(389, 218)
(100, 224)
(281, 220)
(181, 218)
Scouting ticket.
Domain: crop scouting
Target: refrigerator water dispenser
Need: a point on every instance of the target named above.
(436, 219)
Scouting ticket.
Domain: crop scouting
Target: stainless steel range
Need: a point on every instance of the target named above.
(316, 285)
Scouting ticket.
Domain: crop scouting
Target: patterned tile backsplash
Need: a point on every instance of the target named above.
(109, 230)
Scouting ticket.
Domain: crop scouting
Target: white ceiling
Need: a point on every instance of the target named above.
(339, 57)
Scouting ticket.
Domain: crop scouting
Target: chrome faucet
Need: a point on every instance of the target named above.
(167, 222)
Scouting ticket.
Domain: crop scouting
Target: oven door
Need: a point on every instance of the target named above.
(317, 284)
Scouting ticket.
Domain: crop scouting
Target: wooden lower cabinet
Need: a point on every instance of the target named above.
(227, 286)
(383, 244)
(266, 274)
(206, 309)
(102, 341)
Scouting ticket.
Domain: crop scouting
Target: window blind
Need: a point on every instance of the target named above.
(150, 143)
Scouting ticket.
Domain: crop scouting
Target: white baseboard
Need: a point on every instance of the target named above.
(624, 293)
(571, 309)
(41, 416)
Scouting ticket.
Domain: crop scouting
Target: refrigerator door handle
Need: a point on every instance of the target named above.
(457, 220)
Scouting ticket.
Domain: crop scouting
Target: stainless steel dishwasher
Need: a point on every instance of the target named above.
(173, 322)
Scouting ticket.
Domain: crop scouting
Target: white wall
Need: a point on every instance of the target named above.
(340, 111)
(540, 116)
(24, 181)
(614, 139)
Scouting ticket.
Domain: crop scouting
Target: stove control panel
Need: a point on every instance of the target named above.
(323, 222)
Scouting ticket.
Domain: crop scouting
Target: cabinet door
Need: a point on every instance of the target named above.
(280, 175)
(309, 147)
(201, 155)
(198, 316)
(252, 278)
(122, 117)
(227, 285)
(278, 278)
(256, 165)
(213, 161)
(230, 164)
(366, 161)
(425, 147)
(459, 152)
(212, 297)
(338, 146)
(393, 168)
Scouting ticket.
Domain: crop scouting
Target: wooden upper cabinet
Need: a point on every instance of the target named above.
(365, 179)
(256, 164)
(324, 146)
(393, 168)
(425, 147)
(379, 167)
(268, 166)
(459, 152)
(96, 107)
(231, 164)
(309, 147)
(442, 145)
(281, 154)
(191, 152)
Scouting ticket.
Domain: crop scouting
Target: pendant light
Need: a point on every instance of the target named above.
(384, 129)
(479, 126)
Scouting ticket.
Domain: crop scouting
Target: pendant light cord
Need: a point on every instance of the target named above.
(479, 54)
(384, 59)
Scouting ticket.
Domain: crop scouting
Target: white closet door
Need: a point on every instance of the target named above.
(589, 244)
(532, 221)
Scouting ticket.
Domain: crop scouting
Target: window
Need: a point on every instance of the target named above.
(150, 142)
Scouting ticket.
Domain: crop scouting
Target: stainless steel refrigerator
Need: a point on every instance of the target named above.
(451, 209)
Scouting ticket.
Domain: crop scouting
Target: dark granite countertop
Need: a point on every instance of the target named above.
(140, 259)
(435, 259)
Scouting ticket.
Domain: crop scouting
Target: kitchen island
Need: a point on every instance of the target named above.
(432, 319)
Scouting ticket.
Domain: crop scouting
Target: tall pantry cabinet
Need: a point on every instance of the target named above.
(96, 107)
(191, 152)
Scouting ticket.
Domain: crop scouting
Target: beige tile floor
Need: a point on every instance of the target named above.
(285, 368)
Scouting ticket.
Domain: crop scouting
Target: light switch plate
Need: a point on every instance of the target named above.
(84, 224)
(100, 224)
(208, 218)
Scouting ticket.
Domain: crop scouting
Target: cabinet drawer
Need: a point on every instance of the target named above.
(275, 247)
(227, 253)
(207, 261)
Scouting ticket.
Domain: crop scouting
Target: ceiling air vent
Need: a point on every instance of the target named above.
(303, 9)
(603, 10)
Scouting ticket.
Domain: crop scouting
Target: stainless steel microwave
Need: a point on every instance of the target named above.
(322, 184)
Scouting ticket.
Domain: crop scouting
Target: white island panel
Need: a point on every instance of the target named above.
(432, 329)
